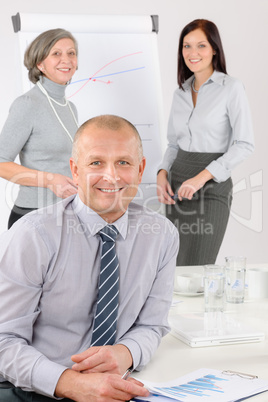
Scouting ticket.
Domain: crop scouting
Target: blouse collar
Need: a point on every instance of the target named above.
(216, 77)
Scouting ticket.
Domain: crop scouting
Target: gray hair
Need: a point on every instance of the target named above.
(39, 49)
(110, 122)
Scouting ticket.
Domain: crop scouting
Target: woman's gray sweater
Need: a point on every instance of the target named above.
(33, 132)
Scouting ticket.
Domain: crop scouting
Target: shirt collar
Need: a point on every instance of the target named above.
(216, 77)
(93, 222)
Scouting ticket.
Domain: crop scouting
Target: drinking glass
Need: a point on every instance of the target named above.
(214, 282)
(235, 271)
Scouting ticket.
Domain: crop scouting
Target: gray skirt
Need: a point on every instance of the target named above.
(202, 221)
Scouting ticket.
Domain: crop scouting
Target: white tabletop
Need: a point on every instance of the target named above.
(174, 359)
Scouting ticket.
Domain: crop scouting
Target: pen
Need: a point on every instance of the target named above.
(126, 374)
(139, 400)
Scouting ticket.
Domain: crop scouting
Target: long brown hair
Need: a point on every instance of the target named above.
(213, 37)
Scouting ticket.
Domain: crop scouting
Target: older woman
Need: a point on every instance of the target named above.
(209, 134)
(41, 126)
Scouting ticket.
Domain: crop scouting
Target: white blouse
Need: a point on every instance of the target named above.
(220, 122)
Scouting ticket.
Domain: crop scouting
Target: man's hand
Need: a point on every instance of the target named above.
(114, 359)
(98, 387)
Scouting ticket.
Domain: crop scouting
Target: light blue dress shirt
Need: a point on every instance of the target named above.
(220, 122)
(49, 269)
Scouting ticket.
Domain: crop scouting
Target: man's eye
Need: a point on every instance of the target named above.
(96, 163)
(123, 163)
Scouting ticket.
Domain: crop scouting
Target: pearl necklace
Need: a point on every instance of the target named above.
(193, 88)
(40, 86)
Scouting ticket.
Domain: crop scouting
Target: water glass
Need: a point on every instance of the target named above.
(235, 270)
(214, 282)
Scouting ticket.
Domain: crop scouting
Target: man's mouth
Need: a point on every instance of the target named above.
(110, 190)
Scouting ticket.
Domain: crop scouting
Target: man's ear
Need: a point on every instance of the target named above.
(141, 168)
(74, 170)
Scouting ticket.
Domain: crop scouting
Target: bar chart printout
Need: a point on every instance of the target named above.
(198, 387)
(206, 385)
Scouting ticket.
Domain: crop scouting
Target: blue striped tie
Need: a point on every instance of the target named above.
(104, 330)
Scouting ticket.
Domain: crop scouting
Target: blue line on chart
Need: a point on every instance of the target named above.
(197, 387)
(107, 75)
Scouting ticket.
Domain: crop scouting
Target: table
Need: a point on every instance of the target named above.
(174, 359)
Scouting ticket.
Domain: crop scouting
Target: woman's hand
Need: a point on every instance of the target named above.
(191, 186)
(62, 186)
(164, 190)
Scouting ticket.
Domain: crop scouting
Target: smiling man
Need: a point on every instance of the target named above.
(107, 171)
(50, 262)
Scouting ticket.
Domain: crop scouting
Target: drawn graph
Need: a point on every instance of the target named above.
(100, 78)
(197, 387)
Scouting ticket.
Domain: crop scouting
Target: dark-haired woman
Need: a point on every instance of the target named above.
(41, 125)
(209, 133)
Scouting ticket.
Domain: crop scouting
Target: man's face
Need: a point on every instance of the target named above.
(108, 170)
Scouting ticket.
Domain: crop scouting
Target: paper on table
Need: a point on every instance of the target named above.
(205, 384)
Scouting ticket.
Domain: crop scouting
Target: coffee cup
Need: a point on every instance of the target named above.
(188, 283)
(257, 279)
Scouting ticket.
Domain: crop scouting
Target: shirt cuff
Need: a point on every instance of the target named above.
(165, 166)
(219, 173)
(134, 349)
(45, 376)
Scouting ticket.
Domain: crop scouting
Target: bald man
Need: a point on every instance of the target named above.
(49, 279)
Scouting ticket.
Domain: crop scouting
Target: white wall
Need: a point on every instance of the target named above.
(243, 27)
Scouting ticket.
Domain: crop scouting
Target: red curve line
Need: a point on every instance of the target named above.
(113, 61)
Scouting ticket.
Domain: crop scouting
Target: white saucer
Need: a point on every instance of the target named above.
(189, 294)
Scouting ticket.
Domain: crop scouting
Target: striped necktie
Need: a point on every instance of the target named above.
(104, 330)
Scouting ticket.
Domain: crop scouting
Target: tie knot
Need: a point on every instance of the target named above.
(108, 233)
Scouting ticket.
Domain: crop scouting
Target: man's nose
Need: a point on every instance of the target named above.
(111, 174)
